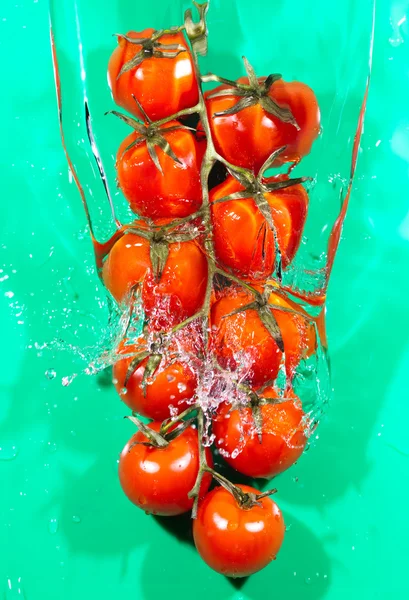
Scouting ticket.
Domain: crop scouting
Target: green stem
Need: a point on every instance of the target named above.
(203, 467)
(153, 436)
(169, 423)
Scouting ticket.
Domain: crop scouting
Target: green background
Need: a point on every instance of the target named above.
(67, 531)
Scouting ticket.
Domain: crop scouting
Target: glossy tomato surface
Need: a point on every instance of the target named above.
(176, 295)
(177, 89)
(158, 480)
(282, 434)
(172, 385)
(244, 241)
(174, 192)
(248, 137)
(233, 541)
(241, 341)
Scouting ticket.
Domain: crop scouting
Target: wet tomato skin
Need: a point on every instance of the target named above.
(283, 436)
(178, 87)
(244, 242)
(177, 295)
(297, 331)
(233, 541)
(158, 480)
(248, 137)
(241, 341)
(174, 384)
(174, 193)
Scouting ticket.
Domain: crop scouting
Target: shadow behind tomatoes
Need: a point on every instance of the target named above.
(158, 480)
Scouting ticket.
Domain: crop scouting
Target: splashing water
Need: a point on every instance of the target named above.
(306, 287)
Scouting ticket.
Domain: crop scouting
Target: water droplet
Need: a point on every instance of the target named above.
(232, 526)
(53, 526)
(8, 452)
(14, 590)
(307, 580)
(76, 519)
(51, 447)
(68, 379)
(50, 374)
(182, 387)
(142, 500)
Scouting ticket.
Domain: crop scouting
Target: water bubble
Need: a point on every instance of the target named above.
(8, 452)
(50, 374)
(53, 526)
(51, 447)
(76, 519)
(182, 387)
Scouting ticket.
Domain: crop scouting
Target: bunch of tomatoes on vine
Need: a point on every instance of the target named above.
(204, 260)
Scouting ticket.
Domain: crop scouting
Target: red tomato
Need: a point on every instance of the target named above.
(234, 541)
(177, 295)
(297, 331)
(248, 137)
(163, 86)
(176, 192)
(243, 240)
(283, 436)
(241, 342)
(158, 480)
(173, 384)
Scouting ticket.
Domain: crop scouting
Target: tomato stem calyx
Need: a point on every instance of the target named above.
(252, 93)
(150, 47)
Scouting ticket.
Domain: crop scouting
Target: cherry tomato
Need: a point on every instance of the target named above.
(248, 137)
(174, 192)
(158, 480)
(282, 434)
(162, 85)
(297, 331)
(241, 341)
(234, 541)
(173, 384)
(243, 240)
(179, 292)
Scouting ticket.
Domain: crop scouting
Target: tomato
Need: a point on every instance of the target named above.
(234, 541)
(248, 137)
(173, 384)
(158, 480)
(297, 331)
(241, 341)
(174, 192)
(179, 292)
(162, 85)
(244, 241)
(282, 434)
